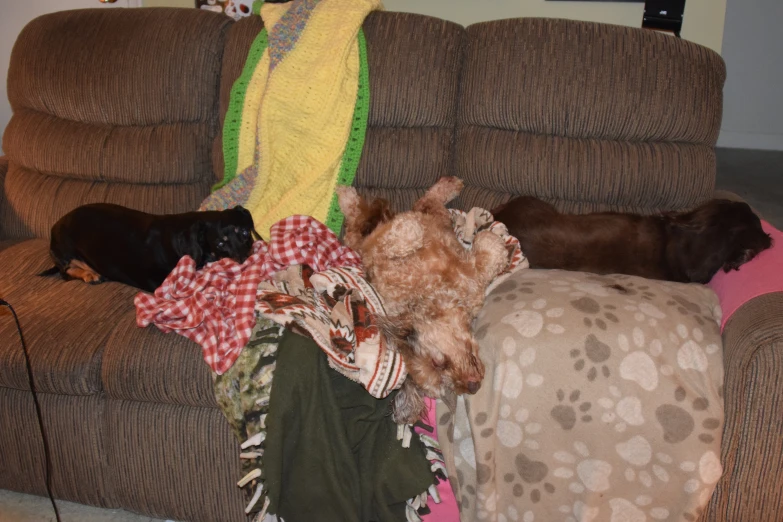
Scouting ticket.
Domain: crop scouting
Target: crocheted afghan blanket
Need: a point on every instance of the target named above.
(297, 115)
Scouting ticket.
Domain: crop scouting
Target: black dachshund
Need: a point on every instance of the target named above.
(101, 242)
(687, 247)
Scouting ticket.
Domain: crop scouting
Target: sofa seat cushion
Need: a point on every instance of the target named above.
(65, 323)
(602, 400)
(9, 243)
(144, 364)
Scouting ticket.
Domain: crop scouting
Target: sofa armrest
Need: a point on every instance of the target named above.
(3, 201)
(752, 453)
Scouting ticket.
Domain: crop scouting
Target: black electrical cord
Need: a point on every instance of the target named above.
(47, 459)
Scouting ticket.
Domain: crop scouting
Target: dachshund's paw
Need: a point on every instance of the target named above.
(81, 270)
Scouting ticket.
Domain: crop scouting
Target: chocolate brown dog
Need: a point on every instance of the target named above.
(686, 247)
(101, 241)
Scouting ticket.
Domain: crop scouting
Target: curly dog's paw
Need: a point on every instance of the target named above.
(404, 237)
(446, 189)
(491, 254)
(349, 200)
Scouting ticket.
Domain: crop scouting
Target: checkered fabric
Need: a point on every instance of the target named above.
(215, 305)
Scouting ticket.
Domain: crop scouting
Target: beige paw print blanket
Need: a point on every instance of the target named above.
(602, 401)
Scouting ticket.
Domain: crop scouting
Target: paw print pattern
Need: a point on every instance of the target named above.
(595, 354)
(511, 290)
(621, 411)
(510, 432)
(637, 451)
(513, 374)
(592, 474)
(691, 354)
(512, 514)
(566, 414)
(624, 509)
(529, 321)
(644, 312)
(678, 423)
(599, 314)
(579, 512)
(705, 473)
(533, 474)
(689, 309)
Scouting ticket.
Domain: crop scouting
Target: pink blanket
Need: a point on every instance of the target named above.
(762, 275)
(447, 510)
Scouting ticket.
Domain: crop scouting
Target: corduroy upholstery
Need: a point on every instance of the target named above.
(118, 106)
(752, 484)
(139, 133)
(127, 106)
(150, 366)
(5, 208)
(410, 134)
(606, 118)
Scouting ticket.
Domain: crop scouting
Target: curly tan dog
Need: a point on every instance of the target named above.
(431, 285)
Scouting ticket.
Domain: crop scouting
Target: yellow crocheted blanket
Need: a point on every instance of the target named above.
(297, 102)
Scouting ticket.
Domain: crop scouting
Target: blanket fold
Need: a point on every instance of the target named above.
(339, 447)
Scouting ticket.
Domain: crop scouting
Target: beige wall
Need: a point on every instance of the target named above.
(703, 22)
(15, 16)
(169, 3)
(752, 105)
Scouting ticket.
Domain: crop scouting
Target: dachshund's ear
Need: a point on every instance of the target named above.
(242, 210)
(190, 243)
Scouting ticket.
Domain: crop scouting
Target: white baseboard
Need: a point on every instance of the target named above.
(748, 140)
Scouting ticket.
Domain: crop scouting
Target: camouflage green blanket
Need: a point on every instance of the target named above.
(316, 445)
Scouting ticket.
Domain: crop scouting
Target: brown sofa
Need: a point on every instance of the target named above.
(127, 106)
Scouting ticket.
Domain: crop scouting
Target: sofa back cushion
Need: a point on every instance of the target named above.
(588, 116)
(111, 105)
(414, 63)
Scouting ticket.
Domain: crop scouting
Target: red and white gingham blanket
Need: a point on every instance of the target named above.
(215, 305)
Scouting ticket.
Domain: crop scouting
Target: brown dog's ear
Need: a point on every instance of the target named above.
(191, 242)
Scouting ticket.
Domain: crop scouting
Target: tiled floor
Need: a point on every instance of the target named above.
(756, 176)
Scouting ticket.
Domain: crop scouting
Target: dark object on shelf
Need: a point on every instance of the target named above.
(664, 15)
